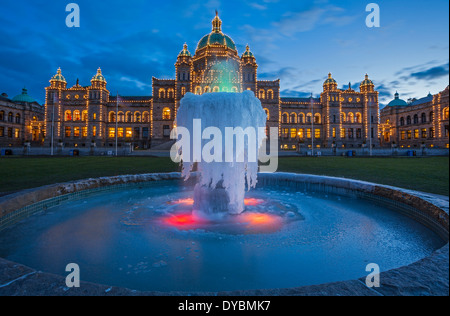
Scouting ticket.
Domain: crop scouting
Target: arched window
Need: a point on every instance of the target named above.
(10, 117)
(431, 116)
(416, 119)
(129, 117)
(145, 117)
(343, 117)
(270, 94)
(120, 117)
(445, 113)
(17, 118)
(84, 115)
(216, 89)
(198, 90)
(137, 117)
(284, 118)
(424, 118)
(309, 118)
(408, 120)
(262, 94)
(293, 118)
(2, 116)
(267, 113)
(234, 89)
(402, 121)
(170, 93)
(317, 118)
(162, 93)
(207, 89)
(358, 118)
(68, 115)
(301, 118)
(350, 117)
(183, 91)
(76, 115)
(112, 116)
(166, 114)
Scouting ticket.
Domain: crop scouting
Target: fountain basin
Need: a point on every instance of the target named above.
(429, 275)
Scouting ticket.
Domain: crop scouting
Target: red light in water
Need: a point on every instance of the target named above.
(252, 201)
(187, 201)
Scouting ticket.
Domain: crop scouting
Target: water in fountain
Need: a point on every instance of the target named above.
(226, 167)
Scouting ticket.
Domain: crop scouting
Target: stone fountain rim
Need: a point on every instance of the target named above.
(428, 276)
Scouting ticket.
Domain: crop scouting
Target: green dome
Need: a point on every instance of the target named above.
(366, 81)
(184, 52)
(247, 52)
(58, 77)
(329, 80)
(397, 101)
(99, 76)
(216, 37)
(24, 97)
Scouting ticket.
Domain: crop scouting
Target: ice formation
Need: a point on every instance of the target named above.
(227, 163)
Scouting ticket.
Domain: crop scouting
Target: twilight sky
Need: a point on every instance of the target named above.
(298, 41)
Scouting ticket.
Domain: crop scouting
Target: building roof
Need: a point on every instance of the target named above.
(24, 97)
(426, 99)
(58, 77)
(397, 101)
(216, 37)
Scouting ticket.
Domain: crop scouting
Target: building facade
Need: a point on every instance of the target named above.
(89, 116)
(21, 121)
(418, 123)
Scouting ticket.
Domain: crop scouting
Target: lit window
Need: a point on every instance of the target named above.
(84, 132)
(334, 132)
(293, 132)
(317, 133)
(166, 114)
(68, 116)
(342, 133)
(416, 133)
(76, 132)
(94, 131)
(424, 133)
(403, 135)
(308, 133)
(76, 115)
(68, 131)
(16, 133)
(111, 132)
(300, 133)
(129, 132)
(120, 132)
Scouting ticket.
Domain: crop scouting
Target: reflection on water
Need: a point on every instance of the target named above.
(151, 239)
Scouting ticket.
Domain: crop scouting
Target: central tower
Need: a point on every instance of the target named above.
(216, 63)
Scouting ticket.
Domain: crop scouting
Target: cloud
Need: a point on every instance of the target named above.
(306, 20)
(432, 73)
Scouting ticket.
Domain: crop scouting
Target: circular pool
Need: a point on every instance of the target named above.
(146, 236)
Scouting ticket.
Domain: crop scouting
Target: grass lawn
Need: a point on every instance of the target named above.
(429, 174)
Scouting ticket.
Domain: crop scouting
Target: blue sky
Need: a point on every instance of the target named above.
(296, 41)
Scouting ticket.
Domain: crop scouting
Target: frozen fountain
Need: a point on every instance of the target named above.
(225, 132)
